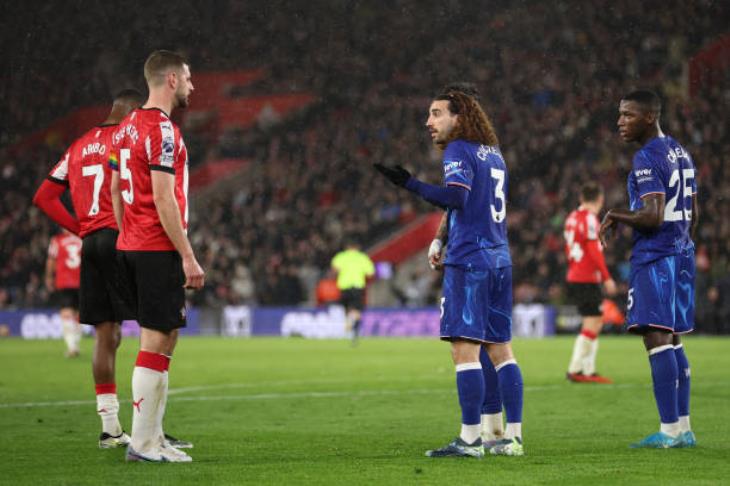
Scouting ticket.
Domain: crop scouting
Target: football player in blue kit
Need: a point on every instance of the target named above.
(477, 288)
(663, 214)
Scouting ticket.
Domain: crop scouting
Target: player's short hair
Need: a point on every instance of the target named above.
(473, 124)
(647, 99)
(160, 63)
(129, 94)
(590, 192)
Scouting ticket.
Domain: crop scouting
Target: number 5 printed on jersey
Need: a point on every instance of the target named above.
(126, 175)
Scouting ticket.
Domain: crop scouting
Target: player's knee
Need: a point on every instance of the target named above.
(464, 352)
(499, 353)
(655, 338)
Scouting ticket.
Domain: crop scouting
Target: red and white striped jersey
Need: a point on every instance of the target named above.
(148, 140)
(84, 168)
(65, 248)
(586, 263)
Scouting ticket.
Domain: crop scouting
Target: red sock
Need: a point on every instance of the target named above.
(153, 361)
(590, 335)
(106, 388)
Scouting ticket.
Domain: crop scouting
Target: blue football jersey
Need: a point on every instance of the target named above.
(663, 166)
(477, 232)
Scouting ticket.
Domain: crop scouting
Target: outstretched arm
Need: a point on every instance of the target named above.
(445, 197)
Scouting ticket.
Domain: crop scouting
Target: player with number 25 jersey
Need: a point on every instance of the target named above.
(663, 260)
(159, 146)
(660, 305)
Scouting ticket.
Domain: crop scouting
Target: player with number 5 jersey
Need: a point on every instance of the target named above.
(476, 307)
(149, 194)
(147, 140)
(663, 214)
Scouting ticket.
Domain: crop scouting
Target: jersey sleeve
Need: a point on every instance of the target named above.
(59, 173)
(591, 227)
(160, 145)
(369, 267)
(595, 253)
(646, 175)
(336, 262)
(457, 170)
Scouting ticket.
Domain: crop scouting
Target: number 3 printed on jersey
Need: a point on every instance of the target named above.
(126, 175)
(498, 215)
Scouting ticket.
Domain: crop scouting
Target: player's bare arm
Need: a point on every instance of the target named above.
(163, 191)
(436, 250)
(649, 217)
(117, 205)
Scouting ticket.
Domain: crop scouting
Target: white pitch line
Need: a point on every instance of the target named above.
(332, 394)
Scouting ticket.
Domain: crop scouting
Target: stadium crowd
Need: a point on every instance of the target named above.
(550, 76)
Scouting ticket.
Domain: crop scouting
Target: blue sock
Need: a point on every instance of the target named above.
(683, 389)
(510, 385)
(492, 398)
(664, 374)
(470, 386)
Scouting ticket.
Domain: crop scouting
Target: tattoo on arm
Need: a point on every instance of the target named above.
(442, 233)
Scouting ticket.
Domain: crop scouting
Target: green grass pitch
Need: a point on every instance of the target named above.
(292, 411)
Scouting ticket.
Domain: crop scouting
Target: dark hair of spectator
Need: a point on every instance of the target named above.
(647, 99)
(590, 192)
(159, 63)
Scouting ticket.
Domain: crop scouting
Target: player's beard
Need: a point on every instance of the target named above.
(181, 100)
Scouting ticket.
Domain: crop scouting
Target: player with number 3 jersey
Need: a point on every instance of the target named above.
(477, 289)
(663, 213)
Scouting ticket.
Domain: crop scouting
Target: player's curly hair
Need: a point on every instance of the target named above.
(473, 124)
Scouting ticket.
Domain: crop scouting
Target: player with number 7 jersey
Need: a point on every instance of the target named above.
(102, 298)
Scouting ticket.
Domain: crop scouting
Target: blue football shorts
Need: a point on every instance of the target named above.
(661, 294)
(477, 304)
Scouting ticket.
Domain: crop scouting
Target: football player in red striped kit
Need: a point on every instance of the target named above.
(149, 194)
(83, 169)
(586, 272)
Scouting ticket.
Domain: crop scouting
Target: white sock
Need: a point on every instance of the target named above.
(147, 393)
(470, 433)
(492, 426)
(589, 362)
(581, 349)
(513, 430)
(107, 406)
(70, 331)
(162, 406)
(684, 424)
(671, 430)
